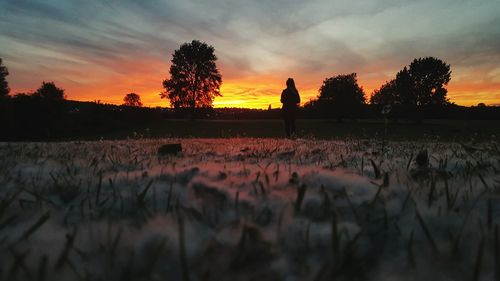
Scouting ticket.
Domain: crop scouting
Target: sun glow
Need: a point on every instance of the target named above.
(251, 92)
(256, 94)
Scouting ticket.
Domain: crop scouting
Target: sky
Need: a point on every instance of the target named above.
(104, 49)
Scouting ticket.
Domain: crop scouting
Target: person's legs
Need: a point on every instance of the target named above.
(287, 126)
(286, 117)
(292, 123)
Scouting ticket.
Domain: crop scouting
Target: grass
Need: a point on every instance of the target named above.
(442, 130)
(241, 208)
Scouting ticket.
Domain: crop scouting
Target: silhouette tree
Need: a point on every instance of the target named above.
(194, 78)
(417, 87)
(387, 94)
(43, 111)
(429, 76)
(4, 86)
(49, 92)
(405, 89)
(132, 99)
(341, 96)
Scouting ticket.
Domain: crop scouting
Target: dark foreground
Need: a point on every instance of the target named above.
(443, 130)
(248, 209)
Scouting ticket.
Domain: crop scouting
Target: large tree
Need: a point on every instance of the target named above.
(429, 76)
(421, 84)
(4, 86)
(418, 88)
(49, 92)
(341, 95)
(194, 78)
(132, 99)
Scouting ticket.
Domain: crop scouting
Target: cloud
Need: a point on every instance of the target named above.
(99, 43)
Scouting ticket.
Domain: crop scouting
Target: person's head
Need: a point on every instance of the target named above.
(290, 83)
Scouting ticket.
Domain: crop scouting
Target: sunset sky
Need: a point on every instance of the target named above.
(104, 49)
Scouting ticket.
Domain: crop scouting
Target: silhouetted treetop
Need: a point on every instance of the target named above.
(396, 91)
(341, 95)
(420, 84)
(132, 99)
(49, 91)
(194, 78)
(342, 89)
(4, 85)
(387, 94)
(405, 88)
(429, 76)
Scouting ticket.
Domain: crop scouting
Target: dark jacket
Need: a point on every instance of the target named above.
(290, 98)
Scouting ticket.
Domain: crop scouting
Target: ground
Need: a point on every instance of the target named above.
(434, 130)
(250, 209)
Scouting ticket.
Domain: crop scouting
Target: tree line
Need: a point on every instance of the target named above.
(416, 92)
(195, 82)
(417, 88)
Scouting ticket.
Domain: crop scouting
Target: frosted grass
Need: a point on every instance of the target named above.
(242, 209)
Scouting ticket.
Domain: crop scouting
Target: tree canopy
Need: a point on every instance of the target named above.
(50, 92)
(132, 99)
(194, 78)
(387, 94)
(429, 76)
(421, 84)
(4, 85)
(341, 95)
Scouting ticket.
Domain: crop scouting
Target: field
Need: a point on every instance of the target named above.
(250, 209)
(429, 130)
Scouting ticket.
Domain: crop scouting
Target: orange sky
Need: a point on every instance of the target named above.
(253, 91)
(260, 93)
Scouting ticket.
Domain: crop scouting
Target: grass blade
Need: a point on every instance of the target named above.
(427, 233)
(301, 192)
(479, 259)
(34, 227)
(141, 196)
(182, 249)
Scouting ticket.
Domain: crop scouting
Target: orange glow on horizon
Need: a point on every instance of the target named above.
(111, 82)
(256, 95)
(256, 92)
(103, 51)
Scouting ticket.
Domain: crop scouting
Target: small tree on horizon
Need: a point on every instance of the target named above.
(341, 96)
(4, 85)
(132, 99)
(194, 78)
(50, 92)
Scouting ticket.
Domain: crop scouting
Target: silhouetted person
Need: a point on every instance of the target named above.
(290, 99)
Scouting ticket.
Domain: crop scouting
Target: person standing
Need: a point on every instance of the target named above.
(290, 99)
